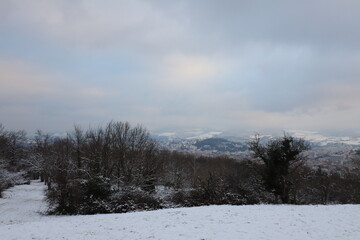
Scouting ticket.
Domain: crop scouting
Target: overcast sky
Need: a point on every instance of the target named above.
(227, 65)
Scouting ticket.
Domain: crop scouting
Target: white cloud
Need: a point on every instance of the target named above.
(30, 95)
(185, 72)
(18, 78)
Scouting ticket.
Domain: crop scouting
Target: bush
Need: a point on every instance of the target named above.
(134, 199)
(9, 179)
(95, 188)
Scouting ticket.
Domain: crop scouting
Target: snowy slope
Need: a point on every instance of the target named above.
(22, 203)
(214, 222)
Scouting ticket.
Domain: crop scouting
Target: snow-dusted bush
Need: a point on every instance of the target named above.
(9, 179)
(13, 151)
(134, 199)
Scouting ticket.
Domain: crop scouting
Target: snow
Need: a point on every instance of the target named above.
(20, 219)
(205, 136)
(323, 140)
(22, 203)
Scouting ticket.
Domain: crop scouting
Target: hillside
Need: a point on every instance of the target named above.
(20, 219)
(220, 145)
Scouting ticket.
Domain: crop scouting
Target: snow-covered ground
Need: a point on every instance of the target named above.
(20, 219)
(22, 203)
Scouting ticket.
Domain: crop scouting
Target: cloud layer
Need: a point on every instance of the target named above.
(229, 65)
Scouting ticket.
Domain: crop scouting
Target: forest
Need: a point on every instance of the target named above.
(119, 168)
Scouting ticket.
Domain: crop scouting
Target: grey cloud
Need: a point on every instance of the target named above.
(277, 58)
(192, 26)
(333, 23)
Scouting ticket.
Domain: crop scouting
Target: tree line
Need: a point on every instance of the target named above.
(120, 168)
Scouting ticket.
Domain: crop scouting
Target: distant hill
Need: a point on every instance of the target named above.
(220, 145)
(326, 151)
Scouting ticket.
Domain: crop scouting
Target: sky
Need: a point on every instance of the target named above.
(232, 65)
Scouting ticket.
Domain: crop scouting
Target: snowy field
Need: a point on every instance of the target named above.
(21, 218)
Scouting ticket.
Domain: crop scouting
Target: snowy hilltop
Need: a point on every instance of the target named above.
(21, 218)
